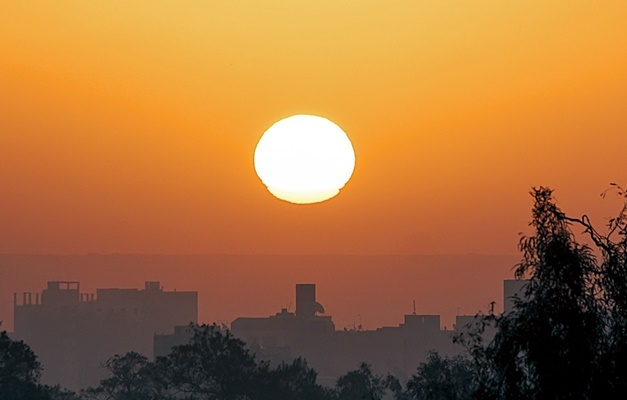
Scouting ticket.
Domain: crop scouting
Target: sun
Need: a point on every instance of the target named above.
(304, 159)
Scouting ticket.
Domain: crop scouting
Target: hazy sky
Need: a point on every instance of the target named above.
(131, 126)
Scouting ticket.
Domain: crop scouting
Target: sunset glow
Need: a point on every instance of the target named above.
(347, 183)
(131, 127)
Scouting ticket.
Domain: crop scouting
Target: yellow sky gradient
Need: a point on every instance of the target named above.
(131, 126)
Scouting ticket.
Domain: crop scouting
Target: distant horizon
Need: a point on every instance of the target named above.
(268, 254)
(230, 286)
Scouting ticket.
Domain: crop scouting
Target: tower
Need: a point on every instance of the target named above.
(306, 304)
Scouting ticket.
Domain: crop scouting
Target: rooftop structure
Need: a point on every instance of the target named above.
(73, 333)
(285, 335)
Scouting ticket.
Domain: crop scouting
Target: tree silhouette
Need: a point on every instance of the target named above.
(296, 380)
(58, 393)
(611, 292)
(214, 365)
(130, 378)
(361, 384)
(442, 378)
(19, 370)
(395, 386)
(565, 339)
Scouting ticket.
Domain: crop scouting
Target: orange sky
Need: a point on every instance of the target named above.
(131, 126)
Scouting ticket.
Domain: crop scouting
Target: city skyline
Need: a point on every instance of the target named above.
(226, 283)
(74, 332)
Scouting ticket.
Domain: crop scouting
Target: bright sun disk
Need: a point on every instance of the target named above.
(304, 159)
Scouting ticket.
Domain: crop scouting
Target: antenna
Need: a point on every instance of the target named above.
(414, 307)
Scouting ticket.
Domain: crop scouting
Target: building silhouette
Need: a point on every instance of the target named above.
(397, 350)
(513, 289)
(285, 336)
(73, 333)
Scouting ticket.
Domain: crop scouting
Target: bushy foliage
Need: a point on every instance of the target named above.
(566, 338)
(360, 384)
(20, 372)
(130, 378)
(442, 378)
(18, 363)
(296, 380)
(214, 365)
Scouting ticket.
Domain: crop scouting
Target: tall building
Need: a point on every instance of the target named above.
(513, 289)
(74, 333)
